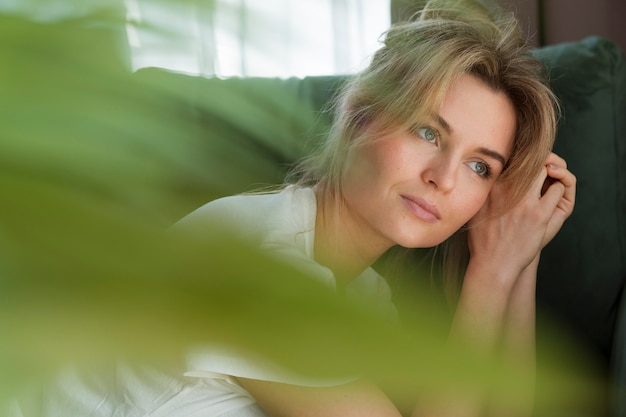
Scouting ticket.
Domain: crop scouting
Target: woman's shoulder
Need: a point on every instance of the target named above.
(251, 213)
(243, 206)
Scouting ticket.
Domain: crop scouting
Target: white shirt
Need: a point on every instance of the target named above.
(283, 225)
(280, 224)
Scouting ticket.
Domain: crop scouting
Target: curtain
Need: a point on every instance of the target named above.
(279, 38)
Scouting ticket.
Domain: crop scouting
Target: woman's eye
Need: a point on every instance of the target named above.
(428, 134)
(480, 168)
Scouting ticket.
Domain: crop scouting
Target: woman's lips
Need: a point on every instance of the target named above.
(422, 209)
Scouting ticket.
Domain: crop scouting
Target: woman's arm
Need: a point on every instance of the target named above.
(518, 340)
(355, 399)
(499, 285)
(496, 309)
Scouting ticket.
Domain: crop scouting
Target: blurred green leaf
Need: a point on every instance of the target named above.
(92, 167)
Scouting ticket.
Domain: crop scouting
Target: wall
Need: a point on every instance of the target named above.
(553, 21)
(548, 22)
(567, 20)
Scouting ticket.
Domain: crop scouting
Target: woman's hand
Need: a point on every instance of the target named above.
(515, 237)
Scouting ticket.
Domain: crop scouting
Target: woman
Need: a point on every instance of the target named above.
(444, 140)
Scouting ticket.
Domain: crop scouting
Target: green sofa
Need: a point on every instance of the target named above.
(250, 130)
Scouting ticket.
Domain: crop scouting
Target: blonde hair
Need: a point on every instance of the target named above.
(407, 80)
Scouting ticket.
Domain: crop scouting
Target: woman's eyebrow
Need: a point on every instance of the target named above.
(442, 122)
(485, 151)
(493, 154)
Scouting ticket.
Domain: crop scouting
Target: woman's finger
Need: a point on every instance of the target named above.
(554, 159)
(568, 180)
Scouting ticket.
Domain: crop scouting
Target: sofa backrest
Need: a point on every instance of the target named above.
(589, 78)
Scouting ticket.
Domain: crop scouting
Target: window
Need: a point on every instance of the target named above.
(279, 38)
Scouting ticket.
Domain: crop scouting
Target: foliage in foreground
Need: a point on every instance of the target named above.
(88, 176)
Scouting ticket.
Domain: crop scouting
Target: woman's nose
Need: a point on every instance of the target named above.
(440, 172)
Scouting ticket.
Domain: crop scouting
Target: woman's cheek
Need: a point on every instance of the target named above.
(474, 204)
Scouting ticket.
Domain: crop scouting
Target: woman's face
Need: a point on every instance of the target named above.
(416, 188)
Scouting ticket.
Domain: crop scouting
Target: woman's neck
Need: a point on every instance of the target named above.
(341, 242)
